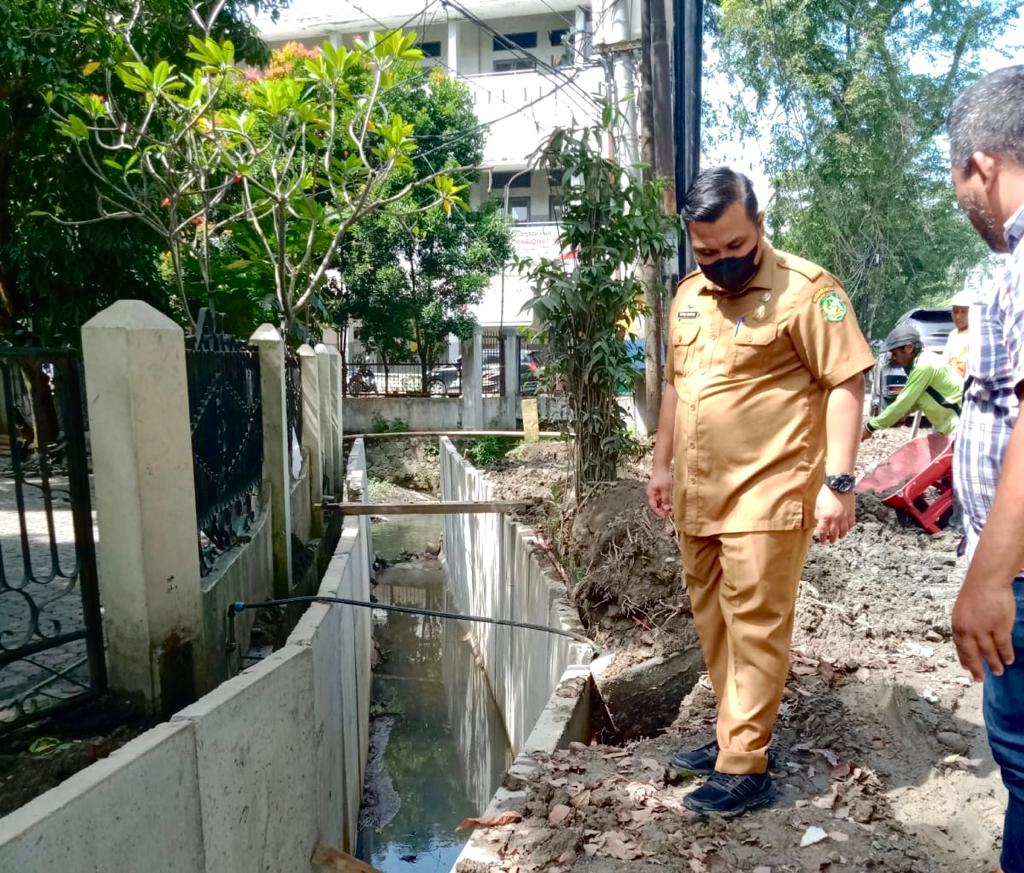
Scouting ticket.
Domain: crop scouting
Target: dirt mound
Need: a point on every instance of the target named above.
(410, 463)
(628, 567)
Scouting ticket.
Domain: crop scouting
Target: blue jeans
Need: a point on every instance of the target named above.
(1004, 718)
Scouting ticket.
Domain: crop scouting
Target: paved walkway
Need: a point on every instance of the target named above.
(50, 582)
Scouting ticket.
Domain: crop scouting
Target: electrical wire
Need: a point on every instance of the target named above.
(240, 606)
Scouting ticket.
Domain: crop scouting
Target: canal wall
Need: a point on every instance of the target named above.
(250, 777)
(494, 570)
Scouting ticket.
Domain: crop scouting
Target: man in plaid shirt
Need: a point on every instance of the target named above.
(986, 129)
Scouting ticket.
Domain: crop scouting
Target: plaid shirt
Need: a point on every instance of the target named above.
(995, 368)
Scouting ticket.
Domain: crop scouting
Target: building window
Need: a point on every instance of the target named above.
(500, 181)
(519, 209)
(514, 65)
(558, 37)
(431, 49)
(555, 209)
(511, 41)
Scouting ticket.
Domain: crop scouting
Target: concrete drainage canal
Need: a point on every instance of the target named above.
(438, 745)
(457, 705)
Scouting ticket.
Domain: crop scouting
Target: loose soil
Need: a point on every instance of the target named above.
(45, 754)
(880, 741)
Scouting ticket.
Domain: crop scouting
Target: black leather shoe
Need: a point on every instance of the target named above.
(727, 794)
(696, 762)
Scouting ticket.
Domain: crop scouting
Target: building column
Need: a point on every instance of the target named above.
(453, 47)
(149, 571)
(311, 438)
(472, 383)
(277, 480)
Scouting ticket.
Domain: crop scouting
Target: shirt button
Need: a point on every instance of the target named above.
(693, 445)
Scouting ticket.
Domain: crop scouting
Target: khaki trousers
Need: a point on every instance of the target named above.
(743, 590)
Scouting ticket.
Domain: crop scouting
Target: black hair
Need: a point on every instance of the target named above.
(988, 116)
(714, 191)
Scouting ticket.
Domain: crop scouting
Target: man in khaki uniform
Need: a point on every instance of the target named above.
(764, 398)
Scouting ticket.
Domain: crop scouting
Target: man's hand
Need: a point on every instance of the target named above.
(983, 625)
(834, 514)
(865, 435)
(659, 492)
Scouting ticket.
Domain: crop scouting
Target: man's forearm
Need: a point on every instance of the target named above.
(666, 426)
(843, 425)
(999, 556)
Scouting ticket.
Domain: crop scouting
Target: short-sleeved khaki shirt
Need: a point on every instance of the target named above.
(753, 374)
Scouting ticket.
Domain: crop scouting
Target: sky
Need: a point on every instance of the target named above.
(742, 153)
(748, 154)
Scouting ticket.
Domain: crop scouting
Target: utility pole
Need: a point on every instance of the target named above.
(687, 66)
(658, 153)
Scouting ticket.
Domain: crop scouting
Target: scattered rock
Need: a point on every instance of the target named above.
(811, 836)
(953, 741)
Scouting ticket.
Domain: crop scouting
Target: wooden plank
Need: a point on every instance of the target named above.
(451, 434)
(435, 507)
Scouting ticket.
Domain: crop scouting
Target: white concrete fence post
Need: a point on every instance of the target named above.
(140, 433)
(337, 378)
(329, 361)
(472, 383)
(311, 438)
(323, 360)
(277, 481)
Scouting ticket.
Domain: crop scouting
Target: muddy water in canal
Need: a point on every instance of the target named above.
(438, 746)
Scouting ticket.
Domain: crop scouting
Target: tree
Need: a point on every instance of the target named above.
(413, 270)
(860, 178)
(611, 223)
(53, 277)
(283, 166)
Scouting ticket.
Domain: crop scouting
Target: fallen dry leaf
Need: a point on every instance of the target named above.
(618, 846)
(508, 817)
(581, 800)
(338, 861)
(559, 814)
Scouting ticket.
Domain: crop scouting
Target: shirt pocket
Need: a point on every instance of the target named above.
(754, 349)
(684, 341)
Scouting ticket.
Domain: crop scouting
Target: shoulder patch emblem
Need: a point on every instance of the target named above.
(832, 306)
(822, 293)
(686, 313)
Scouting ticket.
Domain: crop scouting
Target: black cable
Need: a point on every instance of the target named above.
(240, 606)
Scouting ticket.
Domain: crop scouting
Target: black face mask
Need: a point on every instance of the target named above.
(732, 274)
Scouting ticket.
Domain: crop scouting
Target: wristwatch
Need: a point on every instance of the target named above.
(841, 483)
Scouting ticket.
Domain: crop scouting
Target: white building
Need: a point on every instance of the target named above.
(530, 65)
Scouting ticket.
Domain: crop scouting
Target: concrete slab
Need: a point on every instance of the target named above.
(136, 811)
(255, 758)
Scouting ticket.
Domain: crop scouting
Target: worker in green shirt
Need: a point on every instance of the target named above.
(933, 387)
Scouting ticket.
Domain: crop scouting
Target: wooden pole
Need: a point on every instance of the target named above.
(435, 507)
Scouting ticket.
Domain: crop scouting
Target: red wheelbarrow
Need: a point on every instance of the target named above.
(922, 474)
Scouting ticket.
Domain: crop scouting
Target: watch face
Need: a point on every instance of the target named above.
(842, 483)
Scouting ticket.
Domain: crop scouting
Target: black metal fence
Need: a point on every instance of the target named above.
(492, 363)
(375, 377)
(225, 407)
(51, 645)
(293, 398)
(532, 356)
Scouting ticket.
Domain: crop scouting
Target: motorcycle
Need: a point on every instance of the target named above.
(362, 381)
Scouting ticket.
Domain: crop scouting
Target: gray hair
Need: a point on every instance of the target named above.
(988, 116)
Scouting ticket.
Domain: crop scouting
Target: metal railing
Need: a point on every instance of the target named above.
(51, 645)
(369, 378)
(293, 398)
(225, 407)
